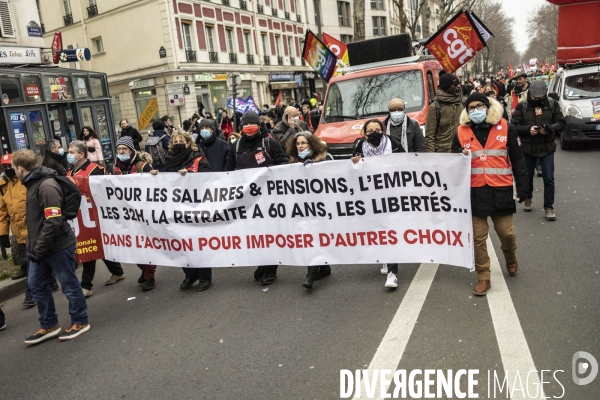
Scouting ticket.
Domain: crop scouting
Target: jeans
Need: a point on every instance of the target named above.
(547, 164)
(202, 274)
(393, 268)
(503, 225)
(89, 270)
(52, 282)
(63, 266)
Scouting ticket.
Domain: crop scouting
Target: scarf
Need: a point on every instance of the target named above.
(126, 165)
(403, 140)
(385, 147)
(174, 162)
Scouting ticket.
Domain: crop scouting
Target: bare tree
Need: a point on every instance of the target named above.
(399, 4)
(411, 21)
(359, 20)
(450, 7)
(543, 31)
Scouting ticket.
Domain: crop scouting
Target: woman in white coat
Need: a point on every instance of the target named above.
(90, 138)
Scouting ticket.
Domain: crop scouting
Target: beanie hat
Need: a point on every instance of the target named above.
(446, 80)
(250, 117)
(476, 96)
(207, 122)
(158, 125)
(126, 141)
(395, 103)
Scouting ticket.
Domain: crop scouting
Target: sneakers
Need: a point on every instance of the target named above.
(383, 270)
(527, 206)
(391, 281)
(42, 334)
(114, 279)
(482, 287)
(550, 215)
(148, 285)
(74, 331)
(28, 302)
(87, 292)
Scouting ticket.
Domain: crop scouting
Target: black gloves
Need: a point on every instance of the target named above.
(4, 241)
(34, 258)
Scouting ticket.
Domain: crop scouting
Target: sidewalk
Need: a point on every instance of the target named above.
(10, 288)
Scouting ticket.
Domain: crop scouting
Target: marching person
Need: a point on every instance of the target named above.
(82, 166)
(94, 150)
(54, 157)
(289, 125)
(375, 141)
(307, 116)
(496, 157)
(407, 132)
(226, 125)
(443, 115)
(157, 144)
(306, 147)
(215, 149)
(256, 150)
(128, 130)
(183, 157)
(129, 162)
(538, 120)
(51, 246)
(519, 91)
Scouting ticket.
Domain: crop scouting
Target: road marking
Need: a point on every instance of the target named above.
(396, 337)
(515, 353)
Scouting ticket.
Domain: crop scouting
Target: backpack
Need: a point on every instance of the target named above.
(71, 200)
(156, 150)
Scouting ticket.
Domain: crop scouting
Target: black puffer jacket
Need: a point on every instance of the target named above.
(56, 162)
(216, 151)
(47, 233)
(414, 135)
(255, 152)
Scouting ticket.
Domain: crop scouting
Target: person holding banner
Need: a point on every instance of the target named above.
(214, 148)
(496, 158)
(129, 162)
(82, 166)
(256, 150)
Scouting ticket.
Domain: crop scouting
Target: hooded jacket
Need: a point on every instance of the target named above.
(216, 151)
(439, 136)
(414, 135)
(487, 200)
(48, 232)
(12, 208)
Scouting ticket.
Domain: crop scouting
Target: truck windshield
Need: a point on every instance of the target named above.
(585, 86)
(370, 95)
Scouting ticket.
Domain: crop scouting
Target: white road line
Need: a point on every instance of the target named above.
(514, 350)
(396, 337)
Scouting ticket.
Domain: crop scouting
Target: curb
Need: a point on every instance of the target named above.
(10, 288)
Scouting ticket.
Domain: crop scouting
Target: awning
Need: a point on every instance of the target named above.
(284, 85)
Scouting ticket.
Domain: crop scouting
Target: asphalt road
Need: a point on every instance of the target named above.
(238, 341)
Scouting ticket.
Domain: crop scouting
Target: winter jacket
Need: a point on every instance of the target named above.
(165, 140)
(251, 154)
(137, 163)
(95, 156)
(12, 208)
(357, 150)
(56, 162)
(203, 166)
(216, 151)
(226, 126)
(524, 117)
(439, 136)
(48, 232)
(281, 131)
(487, 200)
(134, 134)
(414, 135)
(98, 170)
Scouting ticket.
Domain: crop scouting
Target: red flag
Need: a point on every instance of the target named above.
(279, 99)
(56, 46)
(456, 42)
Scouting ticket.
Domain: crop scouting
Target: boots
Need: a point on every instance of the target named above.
(21, 274)
(512, 265)
(482, 287)
(308, 282)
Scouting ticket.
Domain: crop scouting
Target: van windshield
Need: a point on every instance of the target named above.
(585, 86)
(370, 95)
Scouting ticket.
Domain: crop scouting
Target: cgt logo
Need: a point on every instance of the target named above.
(501, 138)
(457, 46)
(580, 368)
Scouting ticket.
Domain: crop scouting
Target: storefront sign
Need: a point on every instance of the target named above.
(32, 89)
(75, 55)
(282, 77)
(143, 83)
(148, 113)
(34, 30)
(20, 55)
(162, 53)
(220, 77)
(204, 77)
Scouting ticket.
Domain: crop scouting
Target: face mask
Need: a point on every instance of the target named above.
(265, 109)
(233, 140)
(123, 157)
(61, 152)
(205, 133)
(478, 116)
(375, 139)
(10, 172)
(305, 153)
(250, 130)
(397, 116)
(71, 159)
(178, 148)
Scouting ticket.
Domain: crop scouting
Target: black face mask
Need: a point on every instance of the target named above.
(178, 148)
(375, 138)
(10, 172)
(537, 102)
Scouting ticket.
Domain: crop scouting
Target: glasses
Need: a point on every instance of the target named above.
(375, 131)
(301, 144)
(123, 150)
(479, 106)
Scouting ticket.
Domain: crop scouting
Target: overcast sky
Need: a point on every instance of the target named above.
(521, 10)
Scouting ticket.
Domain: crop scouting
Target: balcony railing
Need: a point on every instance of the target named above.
(287, 15)
(243, 5)
(92, 11)
(232, 58)
(225, 2)
(280, 60)
(298, 18)
(68, 19)
(274, 12)
(292, 61)
(250, 58)
(260, 9)
(213, 57)
(267, 60)
(190, 55)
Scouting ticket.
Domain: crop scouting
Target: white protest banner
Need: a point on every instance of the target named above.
(405, 208)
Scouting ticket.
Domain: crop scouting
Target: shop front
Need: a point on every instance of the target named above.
(53, 103)
(212, 92)
(283, 83)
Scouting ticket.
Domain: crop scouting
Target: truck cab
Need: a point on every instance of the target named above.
(363, 93)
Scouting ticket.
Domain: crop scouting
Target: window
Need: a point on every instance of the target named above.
(289, 45)
(82, 90)
(142, 98)
(247, 43)
(67, 6)
(229, 34)
(98, 45)
(10, 87)
(97, 86)
(343, 13)
(209, 38)
(263, 37)
(379, 26)
(277, 44)
(187, 36)
(32, 88)
(6, 22)
(377, 5)
(346, 38)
